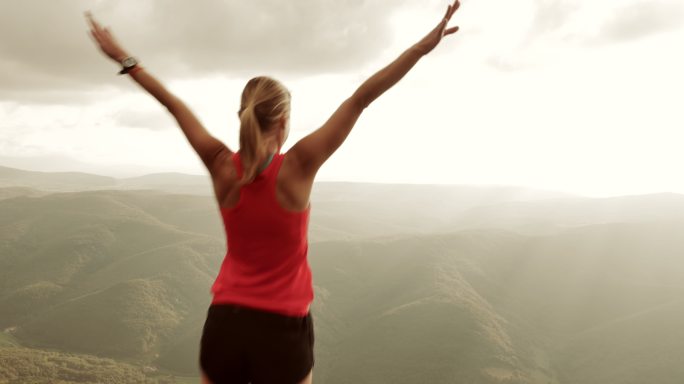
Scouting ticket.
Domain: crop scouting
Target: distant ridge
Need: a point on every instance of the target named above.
(53, 181)
(176, 182)
(10, 192)
(171, 182)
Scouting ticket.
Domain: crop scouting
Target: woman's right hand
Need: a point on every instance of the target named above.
(105, 40)
(430, 41)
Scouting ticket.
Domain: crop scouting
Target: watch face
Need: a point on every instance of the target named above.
(129, 62)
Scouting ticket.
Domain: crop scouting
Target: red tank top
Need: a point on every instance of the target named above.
(266, 265)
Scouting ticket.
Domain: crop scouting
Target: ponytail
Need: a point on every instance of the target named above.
(252, 148)
(264, 101)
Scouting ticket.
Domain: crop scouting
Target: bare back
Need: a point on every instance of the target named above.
(293, 188)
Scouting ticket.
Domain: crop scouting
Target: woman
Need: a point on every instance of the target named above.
(259, 327)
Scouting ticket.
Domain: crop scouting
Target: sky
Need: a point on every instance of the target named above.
(579, 96)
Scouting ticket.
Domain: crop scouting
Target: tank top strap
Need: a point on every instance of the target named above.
(237, 163)
(271, 172)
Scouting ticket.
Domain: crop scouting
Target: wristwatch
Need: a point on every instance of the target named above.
(128, 63)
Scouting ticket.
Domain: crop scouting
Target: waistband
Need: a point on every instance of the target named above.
(223, 309)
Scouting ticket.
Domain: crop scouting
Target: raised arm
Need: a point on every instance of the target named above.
(313, 150)
(211, 150)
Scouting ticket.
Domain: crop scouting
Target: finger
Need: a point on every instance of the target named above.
(450, 31)
(446, 15)
(95, 39)
(89, 19)
(96, 34)
(93, 23)
(110, 36)
(453, 8)
(439, 29)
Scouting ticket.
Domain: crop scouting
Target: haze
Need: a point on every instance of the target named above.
(575, 96)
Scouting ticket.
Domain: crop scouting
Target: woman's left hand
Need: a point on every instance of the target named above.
(429, 42)
(105, 40)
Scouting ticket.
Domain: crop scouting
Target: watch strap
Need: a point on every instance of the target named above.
(128, 64)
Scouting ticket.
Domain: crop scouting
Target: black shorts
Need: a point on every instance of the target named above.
(246, 345)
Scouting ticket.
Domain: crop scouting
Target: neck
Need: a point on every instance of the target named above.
(265, 164)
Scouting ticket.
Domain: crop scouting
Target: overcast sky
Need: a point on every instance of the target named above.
(583, 96)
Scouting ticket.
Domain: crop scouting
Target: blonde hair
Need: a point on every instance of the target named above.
(264, 101)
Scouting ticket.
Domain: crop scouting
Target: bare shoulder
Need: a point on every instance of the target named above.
(293, 185)
(224, 179)
(291, 168)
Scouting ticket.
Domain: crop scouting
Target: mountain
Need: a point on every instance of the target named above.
(645, 346)
(340, 210)
(73, 264)
(359, 210)
(557, 214)
(10, 192)
(26, 365)
(170, 182)
(80, 181)
(401, 311)
(438, 284)
(62, 163)
(53, 181)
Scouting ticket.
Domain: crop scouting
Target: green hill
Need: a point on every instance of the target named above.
(10, 192)
(7, 340)
(25, 365)
(638, 348)
(400, 311)
(550, 291)
(95, 273)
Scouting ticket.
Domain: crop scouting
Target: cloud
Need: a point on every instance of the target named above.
(44, 44)
(507, 64)
(551, 15)
(590, 21)
(568, 27)
(641, 19)
(523, 29)
(152, 120)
